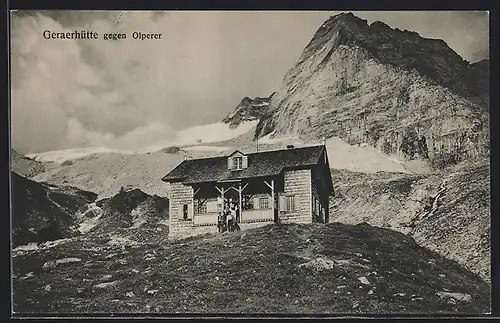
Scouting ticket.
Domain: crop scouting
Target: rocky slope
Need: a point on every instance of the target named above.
(42, 212)
(392, 89)
(248, 110)
(334, 268)
(447, 212)
(25, 166)
(106, 173)
(131, 215)
(477, 76)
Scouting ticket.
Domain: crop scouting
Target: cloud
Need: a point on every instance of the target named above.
(140, 137)
(63, 99)
(126, 94)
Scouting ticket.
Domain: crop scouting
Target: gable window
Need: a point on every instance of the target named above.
(238, 162)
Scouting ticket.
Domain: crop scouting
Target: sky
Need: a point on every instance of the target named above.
(129, 93)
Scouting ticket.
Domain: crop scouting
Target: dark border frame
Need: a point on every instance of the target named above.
(258, 5)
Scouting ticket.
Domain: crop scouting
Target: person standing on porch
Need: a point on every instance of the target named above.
(237, 218)
(233, 216)
(220, 221)
(237, 214)
(230, 220)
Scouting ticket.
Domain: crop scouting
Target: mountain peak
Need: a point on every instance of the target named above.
(347, 17)
(432, 58)
(362, 33)
(346, 21)
(248, 110)
(371, 83)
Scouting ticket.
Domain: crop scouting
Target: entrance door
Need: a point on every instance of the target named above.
(185, 211)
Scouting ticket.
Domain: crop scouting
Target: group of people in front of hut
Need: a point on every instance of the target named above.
(228, 217)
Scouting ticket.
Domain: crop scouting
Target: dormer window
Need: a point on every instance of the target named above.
(237, 161)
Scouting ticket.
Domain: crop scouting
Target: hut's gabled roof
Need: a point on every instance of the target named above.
(266, 163)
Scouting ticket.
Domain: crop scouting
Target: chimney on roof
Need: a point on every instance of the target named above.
(323, 141)
(290, 147)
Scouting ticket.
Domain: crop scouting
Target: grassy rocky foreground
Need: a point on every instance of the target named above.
(332, 268)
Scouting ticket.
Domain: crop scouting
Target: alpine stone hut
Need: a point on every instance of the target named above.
(291, 185)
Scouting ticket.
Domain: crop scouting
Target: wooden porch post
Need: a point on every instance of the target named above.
(193, 193)
(271, 186)
(192, 204)
(273, 199)
(240, 191)
(221, 191)
(241, 203)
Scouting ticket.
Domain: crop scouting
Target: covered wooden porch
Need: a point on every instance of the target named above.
(255, 200)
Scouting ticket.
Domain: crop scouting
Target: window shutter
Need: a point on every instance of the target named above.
(181, 212)
(190, 211)
(211, 206)
(256, 203)
(230, 163)
(244, 162)
(282, 203)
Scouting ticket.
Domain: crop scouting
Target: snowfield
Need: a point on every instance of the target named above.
(214, 132)
(208, 148)
(210, 133)
(105, 171)
(363, 158)
(270, 139)
(60, 156)
(341, 155)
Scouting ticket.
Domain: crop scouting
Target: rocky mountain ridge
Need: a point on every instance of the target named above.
(43, 212)
(395, 90)
(248, 110)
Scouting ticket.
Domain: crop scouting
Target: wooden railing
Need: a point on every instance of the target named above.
(206, 218)
(257, 215)
(247, 216)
